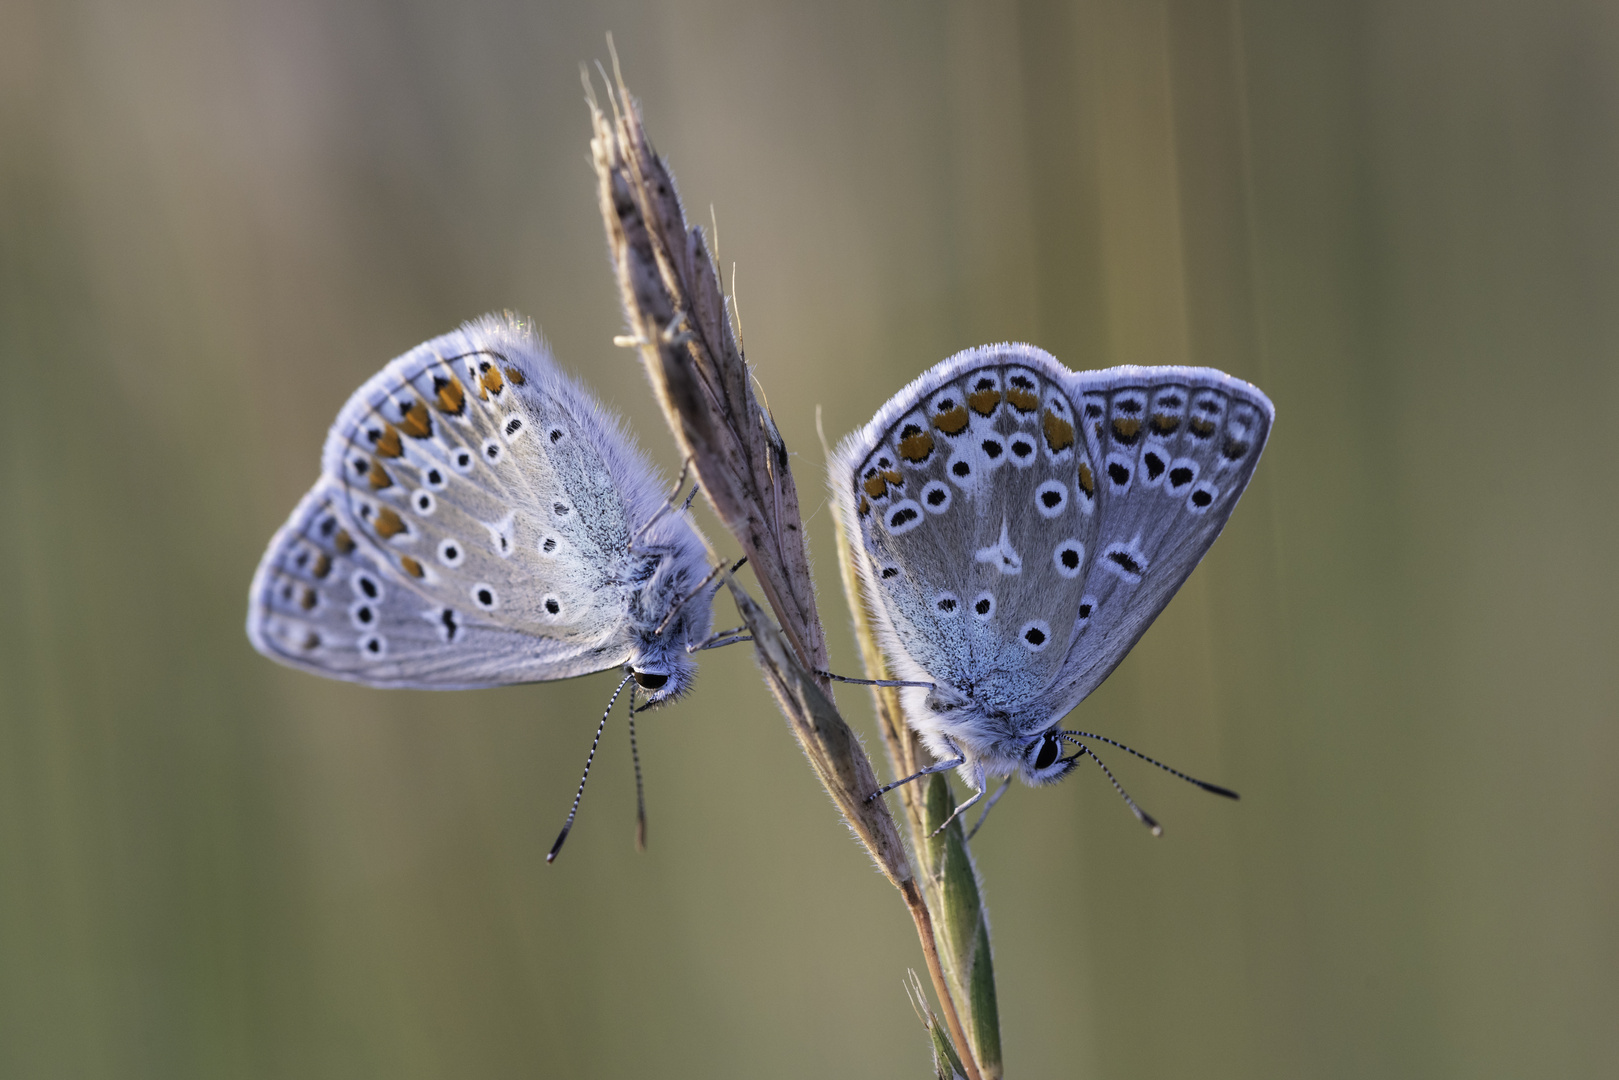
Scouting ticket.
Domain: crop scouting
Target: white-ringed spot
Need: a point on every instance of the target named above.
(374, 645)
(1201, 498)
(1154, 464)
(1182, 474)
(1126, 560)
(1069, 558)
(366, 586)
(424, 503)
(1021, 449)
(984, 606)
(1051, 498)
(363, 614)
(493, 451)
(434, 478)
(903, 516)
(485, 597)
(451, 553)
(1035, 634)
(947, 604)
(936, 496)
(462, 460)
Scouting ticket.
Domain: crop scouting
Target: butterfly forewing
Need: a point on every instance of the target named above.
(977, 508)
(486, 494)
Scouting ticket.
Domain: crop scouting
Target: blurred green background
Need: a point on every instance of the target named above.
(1400, 219)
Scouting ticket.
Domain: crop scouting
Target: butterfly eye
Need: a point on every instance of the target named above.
(647, 680)
(1049, 749)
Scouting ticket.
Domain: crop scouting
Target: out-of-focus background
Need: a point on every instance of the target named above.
(1401, 220)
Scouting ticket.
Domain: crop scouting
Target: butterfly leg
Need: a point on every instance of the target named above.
(979, 794)
(938, 767)
(876, 682)
(722, 638)
(993, 799)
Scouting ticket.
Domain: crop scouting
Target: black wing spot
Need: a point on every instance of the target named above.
(368, 586)
(551, 605)
(901, 516)
(560, 509)
(556, 435)
(1155, 465)
(1125, 561)
(513, 424)
(1201, 498)
(962, 469)
(1051, 498)
(447, 617)
(1180, 477)
(983, 606)
(550, 545)
(1118, 473)
(1021, 449)
(889, 572)
(992, 449)
(1034, 636)
(937, 496)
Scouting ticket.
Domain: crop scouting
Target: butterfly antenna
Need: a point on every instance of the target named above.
(1141, 815)
(1204, 784)
(712, 574)
(567, 825)
(640, 793)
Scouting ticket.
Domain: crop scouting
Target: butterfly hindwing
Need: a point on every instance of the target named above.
(1175, 447)
(490, 500)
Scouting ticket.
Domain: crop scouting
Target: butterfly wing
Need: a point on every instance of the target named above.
(1007, 558)
(1175, 447)
(470, 527)
(975, 503)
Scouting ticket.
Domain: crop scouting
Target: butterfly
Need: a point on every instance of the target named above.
(1017, 527)
(481, 520)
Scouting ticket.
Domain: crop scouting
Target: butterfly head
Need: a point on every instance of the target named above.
(662, 669)
(1043, 761)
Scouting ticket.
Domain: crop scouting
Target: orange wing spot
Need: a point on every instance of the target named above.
(491, 379)
(311, 639)
(388, 443)
(1165, 424)
(865, 507)
(323, 566)
(952, 421)
(415, 422)
(1059, 432)
(379, 478)
(515, 376)
(1087, 481)
(344, 542)
(1126, 429)
(452, 397)
(307, 600)
(983, 402)
(1200, 427)
(388, 524)
(877, 487)
(893, 477)
(915, 444)
(1022, 399)
(412, 567)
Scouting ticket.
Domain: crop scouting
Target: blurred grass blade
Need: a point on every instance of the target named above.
(954, 893)
(946, 1062)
